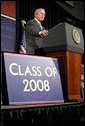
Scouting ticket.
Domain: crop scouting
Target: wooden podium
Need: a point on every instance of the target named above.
(66, 43)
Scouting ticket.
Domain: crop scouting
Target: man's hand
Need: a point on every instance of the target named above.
(44, 33)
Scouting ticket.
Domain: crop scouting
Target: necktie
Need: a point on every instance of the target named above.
(41, 26)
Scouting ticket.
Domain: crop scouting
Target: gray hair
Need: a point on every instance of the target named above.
(37, 10)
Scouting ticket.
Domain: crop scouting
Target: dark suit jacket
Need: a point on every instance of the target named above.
(33, 39)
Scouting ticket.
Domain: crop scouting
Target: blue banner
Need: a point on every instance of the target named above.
(8, 39)
(8, 34)
(82, 81)
(32, 79)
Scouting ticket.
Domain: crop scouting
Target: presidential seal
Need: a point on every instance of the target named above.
(76, 36)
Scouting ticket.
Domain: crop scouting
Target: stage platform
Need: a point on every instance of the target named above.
(70, 113)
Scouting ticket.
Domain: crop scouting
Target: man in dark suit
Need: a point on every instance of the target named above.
(35, 31)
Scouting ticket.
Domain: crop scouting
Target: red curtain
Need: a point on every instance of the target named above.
(8, 8)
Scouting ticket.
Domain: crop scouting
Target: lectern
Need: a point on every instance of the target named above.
(66, 43)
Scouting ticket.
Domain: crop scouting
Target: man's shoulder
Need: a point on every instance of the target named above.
(31, 21)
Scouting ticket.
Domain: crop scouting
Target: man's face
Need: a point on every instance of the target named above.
(40, 15)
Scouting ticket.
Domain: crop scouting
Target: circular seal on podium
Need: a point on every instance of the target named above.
(76, 36)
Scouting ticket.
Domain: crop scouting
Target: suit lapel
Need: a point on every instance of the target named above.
(38, 25)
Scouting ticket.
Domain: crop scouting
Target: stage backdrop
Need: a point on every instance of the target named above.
(8, 39)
